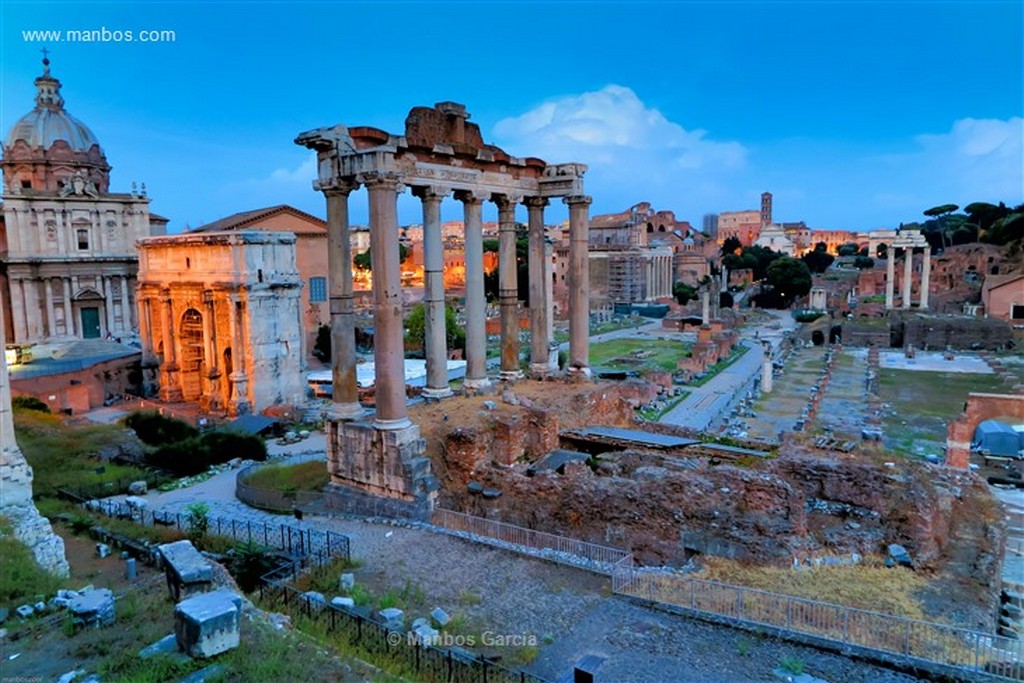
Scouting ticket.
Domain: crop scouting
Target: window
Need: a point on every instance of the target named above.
(26, 184)
(317, 290)
(83, 239)
(1017, 312)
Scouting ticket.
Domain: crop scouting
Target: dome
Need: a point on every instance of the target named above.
(49, 122)
(44, 127)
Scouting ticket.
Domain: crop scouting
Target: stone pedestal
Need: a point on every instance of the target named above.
(208, 624)
(379, 472)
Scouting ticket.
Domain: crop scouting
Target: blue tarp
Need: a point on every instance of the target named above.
(997, 438)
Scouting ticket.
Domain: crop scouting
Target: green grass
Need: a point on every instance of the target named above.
(306, 476)
(624, 323)
(654, 415)
(21, 579)
(620, 354)
(63, 455)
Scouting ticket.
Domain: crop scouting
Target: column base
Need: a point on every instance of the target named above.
(510, 375)
(477, 385)
(581, 373)
(540, 369)
(390, 425)
(346, 411)
(437, 393)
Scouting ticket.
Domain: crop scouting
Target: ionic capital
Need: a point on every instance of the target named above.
(336, 186)
(381, 179)
(577, 199)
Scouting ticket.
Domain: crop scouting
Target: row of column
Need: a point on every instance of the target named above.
(170, 379)
(383, 189)
(659, 277)
(908, 272)
(25, 300)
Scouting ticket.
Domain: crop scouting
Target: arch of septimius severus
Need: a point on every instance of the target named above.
(440, 154)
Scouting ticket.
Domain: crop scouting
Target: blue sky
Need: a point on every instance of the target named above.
(854, 115)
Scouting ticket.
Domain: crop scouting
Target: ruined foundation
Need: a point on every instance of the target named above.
(379, 472)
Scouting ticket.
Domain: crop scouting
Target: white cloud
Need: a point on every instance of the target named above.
(304, 172)
(634, 152)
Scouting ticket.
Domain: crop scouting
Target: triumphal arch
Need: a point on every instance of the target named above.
(440, 154)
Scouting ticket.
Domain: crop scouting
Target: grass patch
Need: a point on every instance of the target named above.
(67, 456)
(638, 354)
(652, 415)
(306, 476)
(21, 579)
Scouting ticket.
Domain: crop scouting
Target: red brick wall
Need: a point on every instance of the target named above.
(979, 407)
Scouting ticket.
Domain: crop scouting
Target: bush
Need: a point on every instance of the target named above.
(29, 403)
(156, 430)
(225, 445)
(197, 453)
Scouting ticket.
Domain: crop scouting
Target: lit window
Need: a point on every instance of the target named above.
(83, 239)
(317, 290)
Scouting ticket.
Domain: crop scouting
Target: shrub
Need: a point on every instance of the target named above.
(29, 403)
(183, 458)
(156, 430)
(225, 445)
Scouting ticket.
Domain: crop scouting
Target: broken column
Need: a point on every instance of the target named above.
(16, 504)
(579, 284)
(508, 287)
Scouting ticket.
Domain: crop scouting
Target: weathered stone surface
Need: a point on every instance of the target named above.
(339, 601)
(93, 608)
(138, 488)
(347, 581)
(440, 617)
(208, 624)
(185, 563)
(168, 645)
(212, 672)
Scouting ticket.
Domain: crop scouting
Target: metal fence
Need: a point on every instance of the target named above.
(296, 541)
(569, 551)
(272, 499)
(925, 642)
(354, 630)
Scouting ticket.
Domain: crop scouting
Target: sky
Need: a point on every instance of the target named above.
(855, 115)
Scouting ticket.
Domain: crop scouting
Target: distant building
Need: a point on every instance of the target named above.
(1003, 297)
(743, 225)
(68, 263)
(709, 225)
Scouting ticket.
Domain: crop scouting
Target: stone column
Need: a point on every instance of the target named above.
(890, 276)
(766, 370)
(926, 274)
(579, 284)
(705, 306)
(108, 301)
(51, 316)
(170, 381)
(908, 275)
(476, 305)
(126, 311)
(539, 301)
(549, 302)
(435, 332)
(145, 329)
(344, 388)
(388, 349)
(69, 316)
(239, 379)
(18, 310)
(31, 288)
(508, 287)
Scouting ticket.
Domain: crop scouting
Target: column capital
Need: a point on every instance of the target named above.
(336, 186)
(472, 196)
(507, 202)
(385, 179)
(431, 193)
(536, 202)
(577, 199)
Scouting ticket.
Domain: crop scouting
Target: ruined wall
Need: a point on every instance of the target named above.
(979, 407)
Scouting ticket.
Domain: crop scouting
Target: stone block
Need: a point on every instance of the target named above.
(93, 608)
(102, 550)
(25, 611)
(187, 570)
(347, 581)
(138, 488)
(339, 601)
(166, 646)
(393, 617)
(316, 600)
(208, 624)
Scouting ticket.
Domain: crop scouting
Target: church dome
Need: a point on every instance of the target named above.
(49, 122)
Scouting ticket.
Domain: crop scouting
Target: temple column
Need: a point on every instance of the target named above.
(435, 332)
(476, 305)
(549, 302)
(126, 311)
(926, 275)
(508, 287)
(238, 377)
(18, 310)
(579, 284)
(388, 349)
(51, 317)
(908, 275)
(344, 388)
(170, 382)
(145, 329)
(539, 301)
(890, 277)
(32, 310)
(69, 322)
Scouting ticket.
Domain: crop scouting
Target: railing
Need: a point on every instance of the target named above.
(598, 558)
(273, 500)
(925, 642)
(296, 541)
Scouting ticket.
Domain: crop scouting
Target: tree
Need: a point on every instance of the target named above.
(940, 212)
(863, 262)
(818, 261)
(789, 278)
(725, 300)
(731, 245)
(847, 250)
(415, 328)
(821, 246)
(362, 261)
(322, 345)
(683, 293)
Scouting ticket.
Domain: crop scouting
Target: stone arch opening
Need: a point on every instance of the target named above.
(817, 337)
(228, 368)
(192, 359)
(835, 334)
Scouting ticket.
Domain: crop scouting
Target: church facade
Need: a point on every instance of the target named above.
(68, 262)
